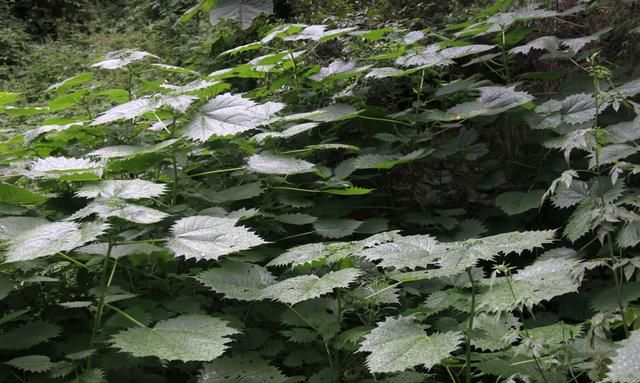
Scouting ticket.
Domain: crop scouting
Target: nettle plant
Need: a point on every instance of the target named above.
(314, 212)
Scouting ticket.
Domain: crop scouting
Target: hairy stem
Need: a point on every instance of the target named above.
(472, 314)
(526, 332)
(324, 340)
(618, 282)
(102, 285)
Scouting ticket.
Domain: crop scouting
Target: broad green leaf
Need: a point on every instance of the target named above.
(629, 235)
(609, 299)
(235, 193)
(493, 100)
(514, 203)
(242, 48)
(11, 227)
(125, 189)
(50, 238)
(625, 365)
(352, 190)
(494, 331)
(6, 285)
(337, 69)
(403, 252)
(115, 207)
(32, 363)
(28, 335)
(399, 344)
(237, 280)
(190, 87)
(64, 168)
(297, 219)
(242, 11)
(202, 6)
(80, 79)
(8, 98)
(300, 255)
(456, 257)
(376, 161)
(318, 33)
(186, 338)
(548, 43)
(569, 196)
(575, 109)
(32, 134)
(288, 132)
(575, 45)
(276, 164)
(204, 237)
(246, 369)
(229, 114)
(336, 228)
(15, 195)
(424, 57)
(298, 289)
(123, 151)
(611, 154)
(138, 107)
(470, 83)
(67, 101)
(628, 89)
(543, 280)
(119, 59)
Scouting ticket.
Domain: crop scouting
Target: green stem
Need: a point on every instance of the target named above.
(526, 332)
(618, 283)
(505, 57)
(130, 83)
(418, 100)
(326, 345)
(295, 236)
(156, 240)
(74, 261)
(174, 194)
(103, 285)
(382, 290)
(472, 315)
(124, 314)
(113, 272)
(295, 71)
(386, 120)
(217, 171)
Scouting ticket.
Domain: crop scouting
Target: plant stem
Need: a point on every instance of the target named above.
(217, 171)
(472, 314)
(74, 261)
(326, 345)
(618, 283)
(418, 100)
(505, 58)
(295, 71)
(153, 240)
(174, 194)
(526, 332)
(382, 290)
(103, 285)
(124, 314)
(113, 272)
(295, 236)
(386, 120)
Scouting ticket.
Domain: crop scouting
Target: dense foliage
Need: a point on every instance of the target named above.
(363, 200)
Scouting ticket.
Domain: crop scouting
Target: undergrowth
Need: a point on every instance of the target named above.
(331, 204)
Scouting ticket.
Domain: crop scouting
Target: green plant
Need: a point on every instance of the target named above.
(267, 221)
